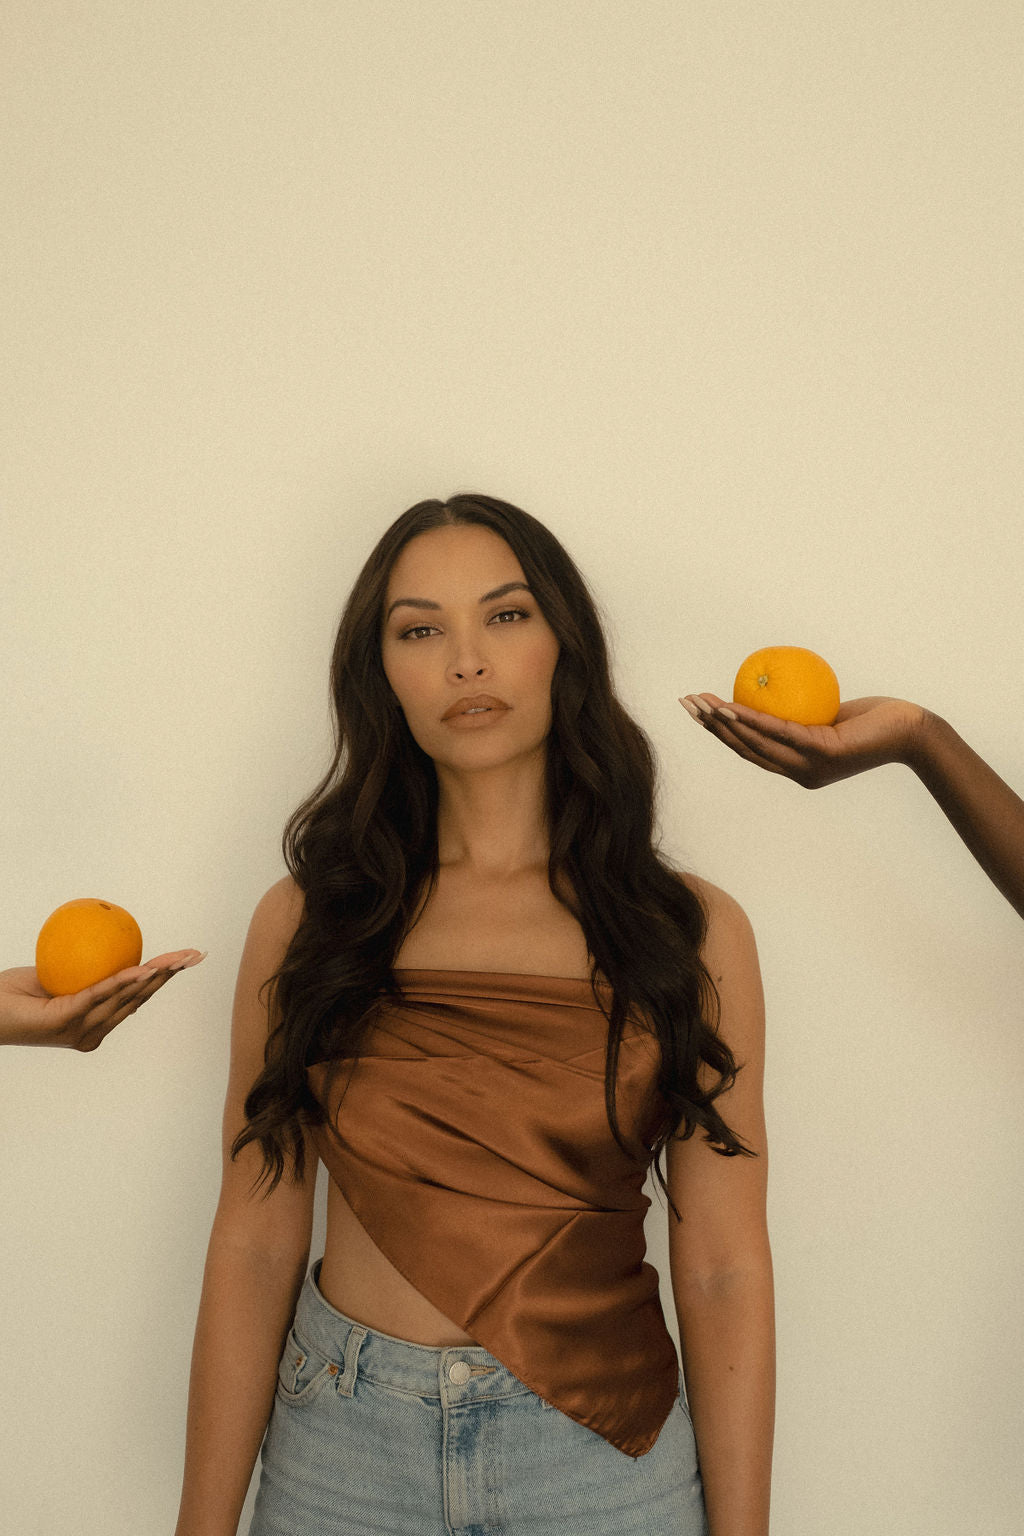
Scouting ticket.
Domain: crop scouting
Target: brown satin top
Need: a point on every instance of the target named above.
(474, 1146)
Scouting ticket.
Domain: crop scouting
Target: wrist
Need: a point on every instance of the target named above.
(920, 738)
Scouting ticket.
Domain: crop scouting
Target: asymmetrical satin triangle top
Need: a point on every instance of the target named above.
(472, 1141)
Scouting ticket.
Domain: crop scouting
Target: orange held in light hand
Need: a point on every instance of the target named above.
(84, 942)
(790, 683)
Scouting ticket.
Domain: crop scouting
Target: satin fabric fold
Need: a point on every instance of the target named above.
(472, 1141)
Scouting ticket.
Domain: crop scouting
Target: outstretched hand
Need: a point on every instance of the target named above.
(866, 733)
(81, 1020)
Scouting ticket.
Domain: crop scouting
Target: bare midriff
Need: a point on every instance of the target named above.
(514, 927)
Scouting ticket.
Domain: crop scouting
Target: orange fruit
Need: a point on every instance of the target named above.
(84, 942)
(789, 682)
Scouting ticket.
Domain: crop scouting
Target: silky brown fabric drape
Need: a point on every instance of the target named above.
(472, 1141)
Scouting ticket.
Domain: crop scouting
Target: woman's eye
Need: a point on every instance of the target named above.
(505, 612)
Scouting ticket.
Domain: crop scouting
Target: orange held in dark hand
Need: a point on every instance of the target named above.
(83, 942)
(789, 682)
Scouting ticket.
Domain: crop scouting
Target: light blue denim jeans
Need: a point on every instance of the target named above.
(371, 1435)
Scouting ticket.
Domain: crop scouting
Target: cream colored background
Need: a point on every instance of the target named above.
(728, 295)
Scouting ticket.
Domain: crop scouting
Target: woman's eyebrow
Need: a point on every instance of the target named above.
(488, 597)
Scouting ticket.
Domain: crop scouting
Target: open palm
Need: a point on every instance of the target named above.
(81, 1020)
(867, 732)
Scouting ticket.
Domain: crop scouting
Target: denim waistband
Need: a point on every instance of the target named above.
(464, 1371)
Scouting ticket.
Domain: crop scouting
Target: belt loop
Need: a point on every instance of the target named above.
(347, 1379)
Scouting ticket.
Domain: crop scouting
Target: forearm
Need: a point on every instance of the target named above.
(727, 1336)
(245, 1311)
(980, 805)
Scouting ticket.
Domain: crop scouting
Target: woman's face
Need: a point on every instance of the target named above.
(451, 645)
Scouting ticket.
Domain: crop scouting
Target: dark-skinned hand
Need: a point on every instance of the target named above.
(866, 733)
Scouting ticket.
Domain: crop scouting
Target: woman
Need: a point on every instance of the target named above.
(984, 810)
(475, 913)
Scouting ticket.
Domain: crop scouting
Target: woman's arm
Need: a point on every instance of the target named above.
(245, 1310)
(719, 1253)
(255, 1264)
(985, 811)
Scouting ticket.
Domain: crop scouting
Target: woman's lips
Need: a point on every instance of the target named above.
(487, 716)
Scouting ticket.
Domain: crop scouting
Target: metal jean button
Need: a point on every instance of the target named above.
(458, 1372)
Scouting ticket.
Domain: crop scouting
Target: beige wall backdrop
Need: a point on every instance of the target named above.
(727, 294)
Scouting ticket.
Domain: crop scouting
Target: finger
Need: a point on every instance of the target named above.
(782, 747)
(703, 702)
(102, 991)
(699, 709)
(751, 745)
(772, 750)
(707, 710)
(160, 979)
(95, 1032)
(702, 707)
(116, 1004)
(707, 706)
(788, 733)
(105, 1016)
(165, 965)
(742, 749)
(137, 993)
(168, 964)
(179, 959)
(750, 749)
(156, 973)
(127, 1008)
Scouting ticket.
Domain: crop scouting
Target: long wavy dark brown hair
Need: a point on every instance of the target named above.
(362, 847)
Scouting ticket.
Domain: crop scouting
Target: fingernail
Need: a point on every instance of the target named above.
(690, 710)
(727, 714)
(702, 704)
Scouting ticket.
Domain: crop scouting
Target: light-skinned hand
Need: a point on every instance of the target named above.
(82, 1020)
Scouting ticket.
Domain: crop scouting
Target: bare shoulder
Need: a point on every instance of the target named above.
(279, 1226)
(282, 904)
(272, 927)
(729, 937)
(713, 896)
